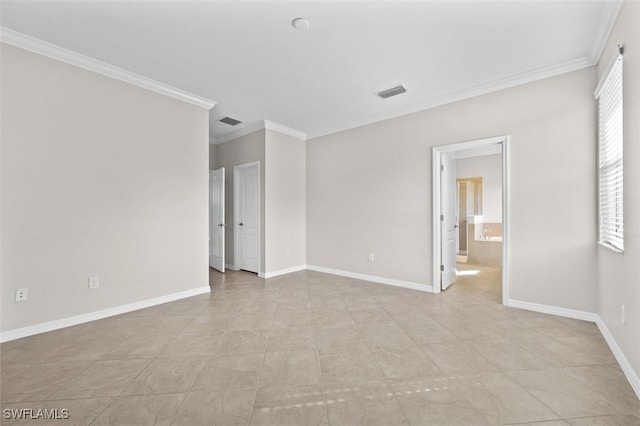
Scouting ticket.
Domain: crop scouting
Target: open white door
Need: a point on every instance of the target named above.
(247, 215)
(448, 219)
(216, 219)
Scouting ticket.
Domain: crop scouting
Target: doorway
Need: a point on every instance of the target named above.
(447, 216)
(246, 183)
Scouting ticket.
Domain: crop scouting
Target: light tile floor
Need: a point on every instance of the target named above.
(316, 349)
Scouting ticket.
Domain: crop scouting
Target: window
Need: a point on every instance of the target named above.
(610, 159)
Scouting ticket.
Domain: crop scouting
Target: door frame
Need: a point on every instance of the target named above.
(236, 214)
(436, 197)
(211, 224)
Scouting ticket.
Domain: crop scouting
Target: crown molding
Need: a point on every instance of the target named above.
(49, 50)
(254, 127)
(245, 130)
(470, 92)
(608, 17)
(270, 125)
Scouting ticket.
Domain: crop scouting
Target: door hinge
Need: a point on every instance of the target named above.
(442, 268)
(442, 167)
(442, 217)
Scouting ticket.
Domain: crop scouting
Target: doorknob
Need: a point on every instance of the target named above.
(241, 224)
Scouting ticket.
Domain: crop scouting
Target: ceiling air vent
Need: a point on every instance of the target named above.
(230, 121)
(398, 90)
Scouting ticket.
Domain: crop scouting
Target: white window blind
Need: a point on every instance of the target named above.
(610, 157)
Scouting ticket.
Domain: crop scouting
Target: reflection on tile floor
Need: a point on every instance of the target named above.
(316, 349)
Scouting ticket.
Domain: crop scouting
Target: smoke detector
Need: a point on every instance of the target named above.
(301, 24)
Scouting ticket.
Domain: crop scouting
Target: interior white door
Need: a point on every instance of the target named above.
(448, 219)
(248, 225)
(216, 219)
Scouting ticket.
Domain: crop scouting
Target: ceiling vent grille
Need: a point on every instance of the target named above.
(398, 90)
(230, 121)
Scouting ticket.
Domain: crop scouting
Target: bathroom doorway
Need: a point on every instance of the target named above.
(481, 219)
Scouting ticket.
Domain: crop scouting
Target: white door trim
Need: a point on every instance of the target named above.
(236, 214)
(436, 224)
(215, 226)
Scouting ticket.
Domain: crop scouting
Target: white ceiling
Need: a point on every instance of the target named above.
(247, 57)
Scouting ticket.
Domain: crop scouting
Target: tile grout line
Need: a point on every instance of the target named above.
(186, 394)
(384, 377)
(477, 308)
(452, 383)
(145, 368)
(264, 358)
(387, 380)
(317, 351)
(505, 373)
(532, 395)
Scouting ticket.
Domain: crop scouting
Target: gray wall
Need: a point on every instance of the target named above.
(99, 178)
(369, 189)
(618, 281)
(286, 230)
(282, 194)
(242, 150)
(213, 156)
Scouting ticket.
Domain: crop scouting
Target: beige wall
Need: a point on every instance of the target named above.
(286, 229)
(282, 199)
(99, 178)
(242, 150)
(489, 167)
(369, 189)
(618, 281)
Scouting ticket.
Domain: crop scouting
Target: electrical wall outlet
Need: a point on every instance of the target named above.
(22, 294)
(372, 257)
(94, 282)
(623, 314)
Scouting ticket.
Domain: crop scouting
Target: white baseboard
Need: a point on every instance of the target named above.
(554, 310)
(631, 375)
(267, 275)
(232, 267)
(43, 327)
(628, 371)
(373, 278)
